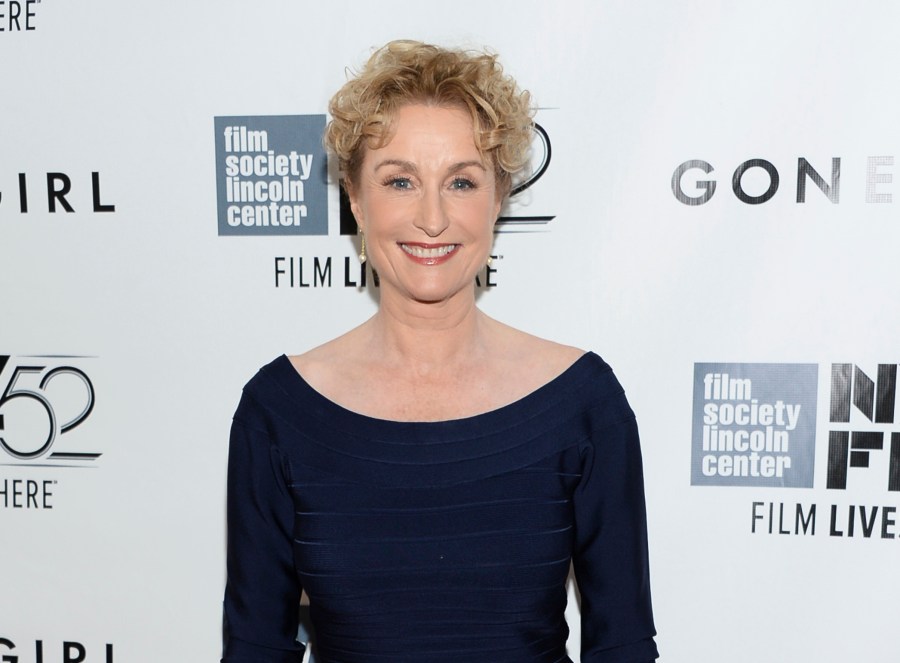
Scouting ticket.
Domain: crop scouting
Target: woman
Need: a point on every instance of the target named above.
(429, 476)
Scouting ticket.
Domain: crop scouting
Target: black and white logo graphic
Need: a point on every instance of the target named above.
(18, 15)
(863, 438)
(42, 400)
(67, 651)
(519, 210)
(60, 191)
(756, 181)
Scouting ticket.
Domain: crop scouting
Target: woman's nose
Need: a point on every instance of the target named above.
(432, 217)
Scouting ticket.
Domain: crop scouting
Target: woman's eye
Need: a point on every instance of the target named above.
(462, 183)
(399, 183)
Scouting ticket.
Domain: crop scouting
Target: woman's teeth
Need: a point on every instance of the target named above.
(433, 252)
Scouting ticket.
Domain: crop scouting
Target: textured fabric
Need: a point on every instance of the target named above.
(438, 541)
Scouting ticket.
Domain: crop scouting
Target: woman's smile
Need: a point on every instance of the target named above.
(429, 254)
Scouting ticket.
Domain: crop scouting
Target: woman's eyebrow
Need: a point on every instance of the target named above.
(410, 166)
(406, 165)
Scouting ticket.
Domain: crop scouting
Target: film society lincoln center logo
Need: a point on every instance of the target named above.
(271, 175)
(754, 425)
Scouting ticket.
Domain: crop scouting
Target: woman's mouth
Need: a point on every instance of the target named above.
(429, 254)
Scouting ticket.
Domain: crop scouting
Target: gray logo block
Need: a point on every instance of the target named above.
(271, 175)
(754, 425)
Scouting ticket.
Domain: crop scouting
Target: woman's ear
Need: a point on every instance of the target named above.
(354, 203)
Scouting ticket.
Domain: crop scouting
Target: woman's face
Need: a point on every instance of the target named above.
(427, 203)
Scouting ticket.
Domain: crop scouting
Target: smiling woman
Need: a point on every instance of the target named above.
(429, 476)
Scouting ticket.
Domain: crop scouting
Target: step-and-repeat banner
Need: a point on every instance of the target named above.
(711, 207)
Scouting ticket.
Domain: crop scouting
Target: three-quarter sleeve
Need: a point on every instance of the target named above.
(262, 594)
(610, 556)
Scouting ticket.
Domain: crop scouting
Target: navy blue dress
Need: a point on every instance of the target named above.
(437, 541)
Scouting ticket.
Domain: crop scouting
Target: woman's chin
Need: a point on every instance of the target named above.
(434, 293)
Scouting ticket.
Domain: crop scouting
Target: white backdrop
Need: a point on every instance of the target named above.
(124, 552)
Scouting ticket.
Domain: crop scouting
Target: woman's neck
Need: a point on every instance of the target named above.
(427, 337)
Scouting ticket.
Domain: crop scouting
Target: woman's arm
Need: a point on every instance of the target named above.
(610, 557)
(262, 595)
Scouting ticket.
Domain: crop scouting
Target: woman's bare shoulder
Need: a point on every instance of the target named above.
(534, 359)
(327, 364)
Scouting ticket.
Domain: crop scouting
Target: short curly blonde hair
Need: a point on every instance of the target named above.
(404, 72)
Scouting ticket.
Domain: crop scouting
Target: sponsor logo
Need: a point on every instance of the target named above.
(756, 181)
(271, 175)
(64, 652)
(18, 15)
(328, 272)
(44, 402)
(861, 424)
(58, 189)
(754, 425)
